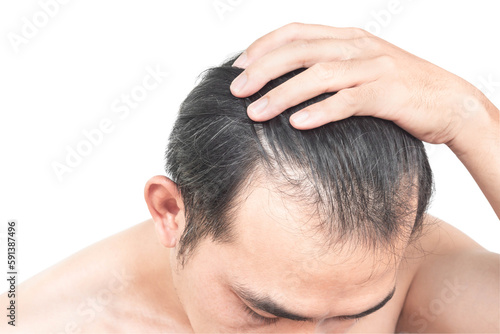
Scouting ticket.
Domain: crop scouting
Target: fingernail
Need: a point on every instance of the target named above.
(258, 106)
(242, 59)
(300, 117)
(238, 83)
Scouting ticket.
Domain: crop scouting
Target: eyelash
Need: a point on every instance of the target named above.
(259, 318)
(270, 321)
(344, 318)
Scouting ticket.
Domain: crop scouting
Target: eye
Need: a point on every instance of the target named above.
(258, 318)
(346, 318)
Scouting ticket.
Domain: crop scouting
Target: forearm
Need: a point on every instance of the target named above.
(478, 147)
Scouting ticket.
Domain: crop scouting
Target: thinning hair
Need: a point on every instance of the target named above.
(364, 176)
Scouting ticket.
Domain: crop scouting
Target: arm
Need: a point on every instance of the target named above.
(478, 148)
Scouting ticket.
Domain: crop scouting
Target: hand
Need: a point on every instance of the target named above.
(372, 77)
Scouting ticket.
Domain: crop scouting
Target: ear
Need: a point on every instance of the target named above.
(167, 209)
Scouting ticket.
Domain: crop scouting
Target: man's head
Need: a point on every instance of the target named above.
(314, 221)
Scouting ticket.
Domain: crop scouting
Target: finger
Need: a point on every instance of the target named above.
(298, 54)
(291, 32)
(316, 80)
(356, 101)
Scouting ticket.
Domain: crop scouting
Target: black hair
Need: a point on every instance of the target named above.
(364, 175)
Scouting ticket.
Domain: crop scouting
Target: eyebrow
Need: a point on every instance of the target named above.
(266, 304)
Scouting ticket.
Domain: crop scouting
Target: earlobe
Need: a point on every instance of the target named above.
(166, 207)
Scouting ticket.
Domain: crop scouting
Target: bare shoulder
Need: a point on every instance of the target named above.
(455, 287)
(94, 287)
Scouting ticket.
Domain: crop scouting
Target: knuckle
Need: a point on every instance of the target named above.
(368, 42)
(278, 101)
(294, 27)
(358, 32)
(386, 62)
(366, 33)
(255, 73)
(323, 71)
(347, 98)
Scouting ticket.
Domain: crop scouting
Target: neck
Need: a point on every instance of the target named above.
(156, 287)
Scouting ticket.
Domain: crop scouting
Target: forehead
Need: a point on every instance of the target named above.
(277, 252)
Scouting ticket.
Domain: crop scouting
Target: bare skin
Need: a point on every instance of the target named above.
(147, 302)
(130, 282)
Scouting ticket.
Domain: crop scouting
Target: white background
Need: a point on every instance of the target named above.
(64, 79)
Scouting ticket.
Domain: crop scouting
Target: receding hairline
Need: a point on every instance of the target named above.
(326, 240)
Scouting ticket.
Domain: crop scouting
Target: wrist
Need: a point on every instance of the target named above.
(478, 123)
